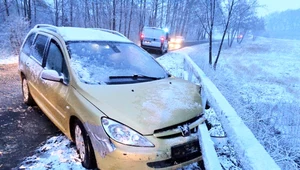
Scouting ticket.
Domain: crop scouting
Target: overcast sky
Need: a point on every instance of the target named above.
(278, 5)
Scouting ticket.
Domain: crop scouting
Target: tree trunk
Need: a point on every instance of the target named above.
(224, 33)
(85, 12)
(125, 16)
(211, 20)
(162, 13)
(56, 12)
(114, 15)
(169, 4)
(130, 18)
(6, 8)
(29, 11)
(71, 13)
(121, 15)
(34, 6)
(62, 13)
(97, 14)
(140, 16)
(155, 13)
(17, 5)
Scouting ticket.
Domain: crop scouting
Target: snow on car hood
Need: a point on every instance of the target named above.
(149, 106)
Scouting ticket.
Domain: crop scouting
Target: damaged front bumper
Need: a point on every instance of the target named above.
(167, 154)
(169, 151)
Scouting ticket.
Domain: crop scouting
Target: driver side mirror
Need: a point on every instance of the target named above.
(51, 75)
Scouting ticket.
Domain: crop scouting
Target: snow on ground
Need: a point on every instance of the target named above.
(8, 60)
(57, 153)
(261, 80)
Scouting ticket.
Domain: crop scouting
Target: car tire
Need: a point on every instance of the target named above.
(162, 50)
(84, 146)
(27, 98)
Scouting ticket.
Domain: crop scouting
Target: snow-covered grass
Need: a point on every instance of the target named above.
(261, 80)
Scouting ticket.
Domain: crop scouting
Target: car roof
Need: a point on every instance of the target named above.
(85, 34)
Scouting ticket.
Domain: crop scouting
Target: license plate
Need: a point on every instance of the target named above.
(147, 42)
(185, 149)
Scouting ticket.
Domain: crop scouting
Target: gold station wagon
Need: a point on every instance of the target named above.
(112, 98)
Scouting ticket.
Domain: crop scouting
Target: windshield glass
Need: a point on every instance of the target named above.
(97, 62)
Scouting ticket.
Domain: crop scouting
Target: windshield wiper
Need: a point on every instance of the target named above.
(135, 77)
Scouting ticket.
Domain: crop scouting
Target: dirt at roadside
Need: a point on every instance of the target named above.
(22, 128)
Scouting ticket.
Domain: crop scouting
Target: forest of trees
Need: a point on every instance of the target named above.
(193, 19)
(284, 24)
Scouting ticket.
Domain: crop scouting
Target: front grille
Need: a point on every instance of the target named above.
(173, 131)
(193, 131)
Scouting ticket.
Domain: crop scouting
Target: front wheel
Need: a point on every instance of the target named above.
(84, 146)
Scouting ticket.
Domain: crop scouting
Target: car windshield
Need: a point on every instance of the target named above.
(113, 63)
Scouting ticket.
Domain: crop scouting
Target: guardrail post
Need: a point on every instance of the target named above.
(210, 157)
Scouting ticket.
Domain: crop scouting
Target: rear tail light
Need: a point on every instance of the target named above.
(142, 36)
(162, 39)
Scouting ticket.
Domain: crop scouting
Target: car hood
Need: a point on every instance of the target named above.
(147, 106)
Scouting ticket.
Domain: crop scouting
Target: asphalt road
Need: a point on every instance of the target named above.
(22, 128)
(174, 47)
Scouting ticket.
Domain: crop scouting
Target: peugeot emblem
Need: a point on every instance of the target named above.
(185, 130)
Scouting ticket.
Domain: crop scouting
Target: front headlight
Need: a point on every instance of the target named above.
(124, 134)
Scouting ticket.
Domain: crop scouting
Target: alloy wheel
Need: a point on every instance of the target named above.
(79, 142)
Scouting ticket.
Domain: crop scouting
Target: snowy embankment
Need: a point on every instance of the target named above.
(261, 81)
(245, 144)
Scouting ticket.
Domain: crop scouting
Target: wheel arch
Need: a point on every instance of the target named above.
(72, 121)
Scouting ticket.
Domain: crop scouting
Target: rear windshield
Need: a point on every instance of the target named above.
(96, 62)
(153, 33)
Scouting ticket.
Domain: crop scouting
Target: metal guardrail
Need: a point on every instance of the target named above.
(209, 155)
(250, 152)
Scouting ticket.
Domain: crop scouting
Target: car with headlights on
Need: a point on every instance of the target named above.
(112, 98)
(177, 40)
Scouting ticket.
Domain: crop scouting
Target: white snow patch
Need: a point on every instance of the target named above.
(56, 153)
(9, 59)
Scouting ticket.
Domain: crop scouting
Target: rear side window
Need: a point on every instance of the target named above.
(28, 43)
(39, 47)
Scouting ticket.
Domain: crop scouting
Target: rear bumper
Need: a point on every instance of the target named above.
(146, 47)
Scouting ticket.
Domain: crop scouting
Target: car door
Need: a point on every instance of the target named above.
(34, 67)
(54, 91)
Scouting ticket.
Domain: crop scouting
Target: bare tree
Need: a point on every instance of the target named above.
(230, 8)
(6, 8)
(130, 18)
(114, 15)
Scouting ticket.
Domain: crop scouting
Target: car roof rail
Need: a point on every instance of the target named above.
(47, 26)
(111, 31)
